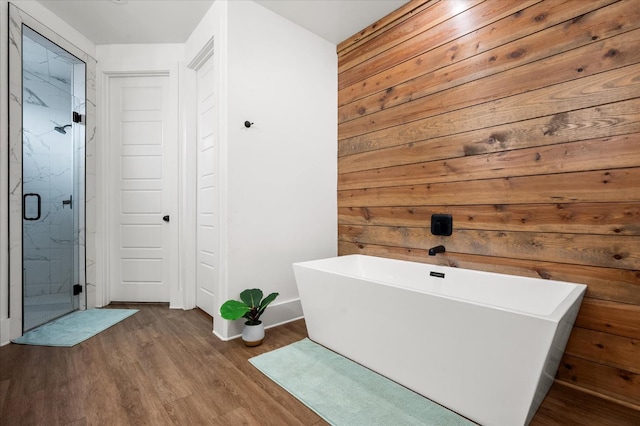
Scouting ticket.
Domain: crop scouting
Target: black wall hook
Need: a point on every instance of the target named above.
(248, 124)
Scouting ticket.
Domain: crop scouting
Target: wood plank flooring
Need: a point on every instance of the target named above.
(165, 367)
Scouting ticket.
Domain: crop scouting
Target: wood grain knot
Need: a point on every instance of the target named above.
(517, 53)
(540, 18)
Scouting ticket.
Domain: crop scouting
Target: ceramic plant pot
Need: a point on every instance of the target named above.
(252, 335)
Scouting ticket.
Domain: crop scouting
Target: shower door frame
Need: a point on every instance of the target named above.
(18, 18)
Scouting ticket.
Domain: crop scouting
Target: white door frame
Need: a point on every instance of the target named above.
(207, 50)
(103, 290)
(212, 259)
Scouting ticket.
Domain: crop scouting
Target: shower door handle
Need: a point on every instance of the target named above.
(27, 203)
(68, 202)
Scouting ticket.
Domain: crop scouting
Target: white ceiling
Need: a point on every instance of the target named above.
(172, 21)
(333, 20)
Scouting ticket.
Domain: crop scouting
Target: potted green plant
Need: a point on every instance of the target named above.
(250, 306)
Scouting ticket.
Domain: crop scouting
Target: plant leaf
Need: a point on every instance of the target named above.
(233, 309)
(270, 298)
(263, 305)
(251, 297)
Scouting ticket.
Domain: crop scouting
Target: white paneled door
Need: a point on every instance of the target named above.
(143, 195)
(208, 211)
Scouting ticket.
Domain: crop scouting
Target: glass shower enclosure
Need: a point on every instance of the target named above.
(53, 157)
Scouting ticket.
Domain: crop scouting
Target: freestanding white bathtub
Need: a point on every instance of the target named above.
(482, 344)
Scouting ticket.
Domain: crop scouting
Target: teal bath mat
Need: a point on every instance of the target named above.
(74, 328)
(343, 392)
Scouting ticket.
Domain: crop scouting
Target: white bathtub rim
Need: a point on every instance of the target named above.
(555, 315)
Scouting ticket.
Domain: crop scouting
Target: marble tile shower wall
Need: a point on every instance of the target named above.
(48, 156)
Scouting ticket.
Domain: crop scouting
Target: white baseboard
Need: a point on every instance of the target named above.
(275, 315)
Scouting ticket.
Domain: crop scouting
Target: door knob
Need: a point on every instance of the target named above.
(165, 218)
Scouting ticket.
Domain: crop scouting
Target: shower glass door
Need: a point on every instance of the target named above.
(52, 176)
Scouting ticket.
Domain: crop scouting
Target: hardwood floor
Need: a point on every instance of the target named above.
(165, 367)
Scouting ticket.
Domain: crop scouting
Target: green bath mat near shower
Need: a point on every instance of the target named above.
(343, 392)
(74, 328)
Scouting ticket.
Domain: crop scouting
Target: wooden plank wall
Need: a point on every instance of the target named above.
(521, 118)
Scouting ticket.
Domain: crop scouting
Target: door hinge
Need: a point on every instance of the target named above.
(77, 289)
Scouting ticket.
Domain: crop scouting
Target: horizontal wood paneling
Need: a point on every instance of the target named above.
(585, 218)
(578, 63)
(607, 153)
(462, 60)
(614, 382)
(621, 319)
(605, 348)
(435, 13)
(396, 17)
(616, 185)
(478, 14)
(560, 15)
(615, 119)
(425, 119)
(619, 251)
(522, 121)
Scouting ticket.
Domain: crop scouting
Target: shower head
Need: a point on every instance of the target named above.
(61, 129)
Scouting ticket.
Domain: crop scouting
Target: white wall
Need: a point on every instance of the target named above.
(282, 172)
(278, 178)
(126, 58)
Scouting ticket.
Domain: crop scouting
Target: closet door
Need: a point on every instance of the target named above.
(208, 192)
